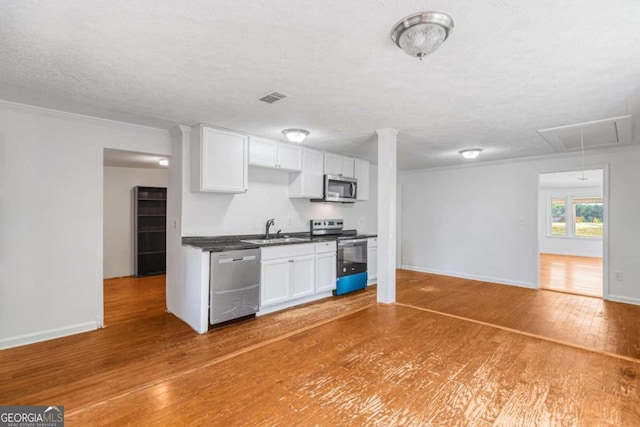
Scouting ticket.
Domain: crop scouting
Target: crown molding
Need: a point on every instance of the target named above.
(48, 112)
(530, 159)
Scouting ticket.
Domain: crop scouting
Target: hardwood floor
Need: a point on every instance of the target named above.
(341, 361)
(128, 298)
(82, 369)
(573, 274)
(588, 322)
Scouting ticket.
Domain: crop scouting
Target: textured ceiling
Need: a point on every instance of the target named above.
(574, 179)
(509, 69)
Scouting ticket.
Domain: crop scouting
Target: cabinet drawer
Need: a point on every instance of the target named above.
(287, 251)
(325, 247)
(372, 242)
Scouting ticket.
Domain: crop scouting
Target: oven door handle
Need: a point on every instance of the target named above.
(343, 242)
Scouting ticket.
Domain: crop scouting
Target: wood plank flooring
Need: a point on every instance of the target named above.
(574, 274)
(341, 361)
(388, 366)
(138, 349)
(128, 298)
(584, 321)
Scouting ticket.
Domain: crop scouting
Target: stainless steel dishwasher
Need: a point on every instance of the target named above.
(234, 285)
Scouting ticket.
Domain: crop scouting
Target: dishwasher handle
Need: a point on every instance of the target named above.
(239, 259)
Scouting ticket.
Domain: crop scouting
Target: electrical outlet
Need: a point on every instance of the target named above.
(521, 220)
(617, 275)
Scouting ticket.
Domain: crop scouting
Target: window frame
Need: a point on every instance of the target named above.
(570, 218)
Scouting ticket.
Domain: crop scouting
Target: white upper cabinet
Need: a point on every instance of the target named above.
(362, 175)
(289, 157)
(273, 154)
(218, 160)
(335, 164)
(263, 152)
(308, 183)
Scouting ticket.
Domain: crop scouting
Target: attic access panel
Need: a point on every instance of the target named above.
(598, 133)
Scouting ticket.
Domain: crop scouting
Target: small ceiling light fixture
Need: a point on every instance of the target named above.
(422, 33)
(471, 153)
(295, 135)
(163, 162)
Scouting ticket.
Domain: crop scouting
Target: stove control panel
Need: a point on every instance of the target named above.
(325, 226)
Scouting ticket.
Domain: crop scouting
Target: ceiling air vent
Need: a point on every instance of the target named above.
(273, 97)
(598, 133)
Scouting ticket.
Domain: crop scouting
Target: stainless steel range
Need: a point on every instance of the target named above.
(351, 257)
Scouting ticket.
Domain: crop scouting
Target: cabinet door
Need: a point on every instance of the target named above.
(302, 276)
(325, 272)
(372, 263)
(289, 157)
(361, 169)
(308, 183)
(262, 152)
(275, 282)
(348, 167)
(332, 164)
(219, 161)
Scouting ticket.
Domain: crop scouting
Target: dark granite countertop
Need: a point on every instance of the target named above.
(234, 243)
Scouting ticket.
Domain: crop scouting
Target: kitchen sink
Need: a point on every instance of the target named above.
(277, 240)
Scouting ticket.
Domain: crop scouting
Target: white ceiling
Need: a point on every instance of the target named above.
(508, 69)
(573, 179)
(130, 159)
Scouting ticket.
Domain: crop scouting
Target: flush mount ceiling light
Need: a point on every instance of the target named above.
(295, 135)
(422, 33)
(471, 153)
(163, 162)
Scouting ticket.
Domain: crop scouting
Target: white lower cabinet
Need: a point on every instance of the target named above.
(325, 267)
(296, 274)
(372, 260)
(275, 282)
(302, 276)
(287, 273)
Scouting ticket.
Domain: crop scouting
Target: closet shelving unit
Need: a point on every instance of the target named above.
(150, 230)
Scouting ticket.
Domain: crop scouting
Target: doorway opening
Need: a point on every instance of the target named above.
(134, 236)
(571, 228)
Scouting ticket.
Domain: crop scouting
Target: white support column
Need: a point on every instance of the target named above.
(387, 189)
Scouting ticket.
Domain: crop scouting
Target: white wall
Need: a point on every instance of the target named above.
(565, 245)
(118, 215)
(465, 221)
(51, 185)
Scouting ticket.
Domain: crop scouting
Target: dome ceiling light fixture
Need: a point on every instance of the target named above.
(295, 135)
(471, 153)
(422, 33)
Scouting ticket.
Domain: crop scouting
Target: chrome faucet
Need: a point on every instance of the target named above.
(270, 222)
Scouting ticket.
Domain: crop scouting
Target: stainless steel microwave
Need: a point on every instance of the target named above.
(338, 188)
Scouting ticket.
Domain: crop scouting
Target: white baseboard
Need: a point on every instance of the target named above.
(571, 254)
(627, 300)
(471, 276)
(47, 335)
